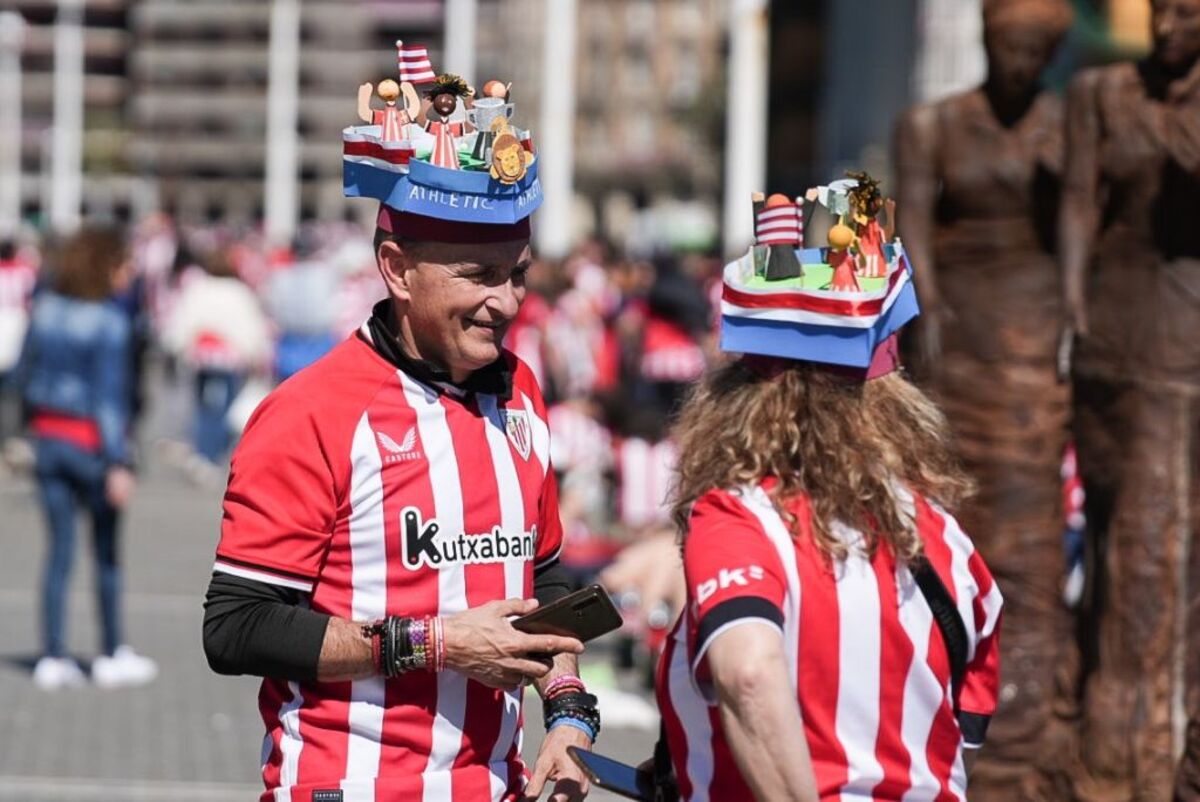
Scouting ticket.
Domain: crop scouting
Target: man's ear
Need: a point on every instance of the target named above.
(396, 268)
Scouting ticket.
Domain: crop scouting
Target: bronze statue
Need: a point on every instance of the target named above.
(1187, 781)
(1130, 248)
(977, 187)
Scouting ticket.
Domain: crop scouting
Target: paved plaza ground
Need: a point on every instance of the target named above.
(192, 736)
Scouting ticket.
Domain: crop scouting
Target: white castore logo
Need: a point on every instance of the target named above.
(402, 451)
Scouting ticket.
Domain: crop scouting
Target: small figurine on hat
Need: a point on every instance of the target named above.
(866, 201)
(443, 95)
(392, 119)
(496, 89)
(779, 230)
(841, 258)
(483, 115)
(509, 159)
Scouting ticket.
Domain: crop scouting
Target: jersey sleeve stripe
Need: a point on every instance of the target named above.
(546, 564)
(548, 561)
(260, 575)
(974, 728)
(731, 610)
(287, 573)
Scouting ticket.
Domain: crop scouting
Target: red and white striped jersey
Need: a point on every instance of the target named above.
(871, 671)
(669, 353)
(645, 471)
(380, 495)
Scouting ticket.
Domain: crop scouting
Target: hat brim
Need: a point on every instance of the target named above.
(420, 228)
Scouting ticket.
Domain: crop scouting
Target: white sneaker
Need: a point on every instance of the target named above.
(125, 668)
(52, 673)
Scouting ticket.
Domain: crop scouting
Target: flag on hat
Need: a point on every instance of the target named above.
(414, 63)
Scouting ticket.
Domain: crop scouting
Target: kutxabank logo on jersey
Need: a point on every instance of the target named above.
(424, 544)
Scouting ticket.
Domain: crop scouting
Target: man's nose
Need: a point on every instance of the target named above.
(507, 299)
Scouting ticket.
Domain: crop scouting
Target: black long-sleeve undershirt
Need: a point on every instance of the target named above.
(256, 628)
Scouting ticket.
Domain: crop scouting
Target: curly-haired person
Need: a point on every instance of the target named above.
(840, 635)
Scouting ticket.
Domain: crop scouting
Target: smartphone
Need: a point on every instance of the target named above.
(584, 615)
(620, 778)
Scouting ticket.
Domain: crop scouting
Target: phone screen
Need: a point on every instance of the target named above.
(612, 775)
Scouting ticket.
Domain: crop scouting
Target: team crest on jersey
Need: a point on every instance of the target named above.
(403, 451)
(516, 426)
(424, 544)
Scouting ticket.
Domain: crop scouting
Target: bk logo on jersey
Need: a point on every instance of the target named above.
(725, 578)
(516, 426)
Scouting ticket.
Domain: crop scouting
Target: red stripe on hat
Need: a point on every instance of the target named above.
(809, 303)
(376, 150)
(432, 229)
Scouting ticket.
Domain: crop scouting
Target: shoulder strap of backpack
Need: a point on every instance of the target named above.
(949, 622)
(666, 786)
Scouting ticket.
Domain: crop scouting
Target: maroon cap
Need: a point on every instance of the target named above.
(885, 360)
(420, 228)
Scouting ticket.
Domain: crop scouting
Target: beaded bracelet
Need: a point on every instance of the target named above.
(568, 701)
(563, 684)
(416, 634)
(578, 724)
(400, 645)
(590, 718)
(439, 645)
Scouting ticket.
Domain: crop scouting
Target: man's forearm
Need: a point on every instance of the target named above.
(345, 653)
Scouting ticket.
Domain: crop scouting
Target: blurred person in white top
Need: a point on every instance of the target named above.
(219, 330)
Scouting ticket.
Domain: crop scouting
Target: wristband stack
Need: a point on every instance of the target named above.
(567, 703)
(400, 645)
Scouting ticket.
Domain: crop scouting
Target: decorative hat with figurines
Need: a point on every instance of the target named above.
(838, 305)
(438, 174)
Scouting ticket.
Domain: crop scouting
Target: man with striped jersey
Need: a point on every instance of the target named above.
(389, 509)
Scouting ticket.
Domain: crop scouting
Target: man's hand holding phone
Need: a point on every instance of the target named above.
(482, 644)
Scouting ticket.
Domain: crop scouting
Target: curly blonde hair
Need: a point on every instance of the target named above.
(849, 446)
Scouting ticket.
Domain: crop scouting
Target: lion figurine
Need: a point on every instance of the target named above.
(509, 159)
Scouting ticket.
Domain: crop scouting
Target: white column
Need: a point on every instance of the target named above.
(745, 121)
(66, 147)
(950, 56)
(282, 201)
(460, 38)
(12, 34)
(556, 138)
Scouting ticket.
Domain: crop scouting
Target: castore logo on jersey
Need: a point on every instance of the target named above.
(403, 451)
(424, 544)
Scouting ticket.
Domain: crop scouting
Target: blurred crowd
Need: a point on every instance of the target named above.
(216, 317)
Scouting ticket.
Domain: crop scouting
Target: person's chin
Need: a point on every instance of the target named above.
(482, 353)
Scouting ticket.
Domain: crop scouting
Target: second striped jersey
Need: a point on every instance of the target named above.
(870, 669)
